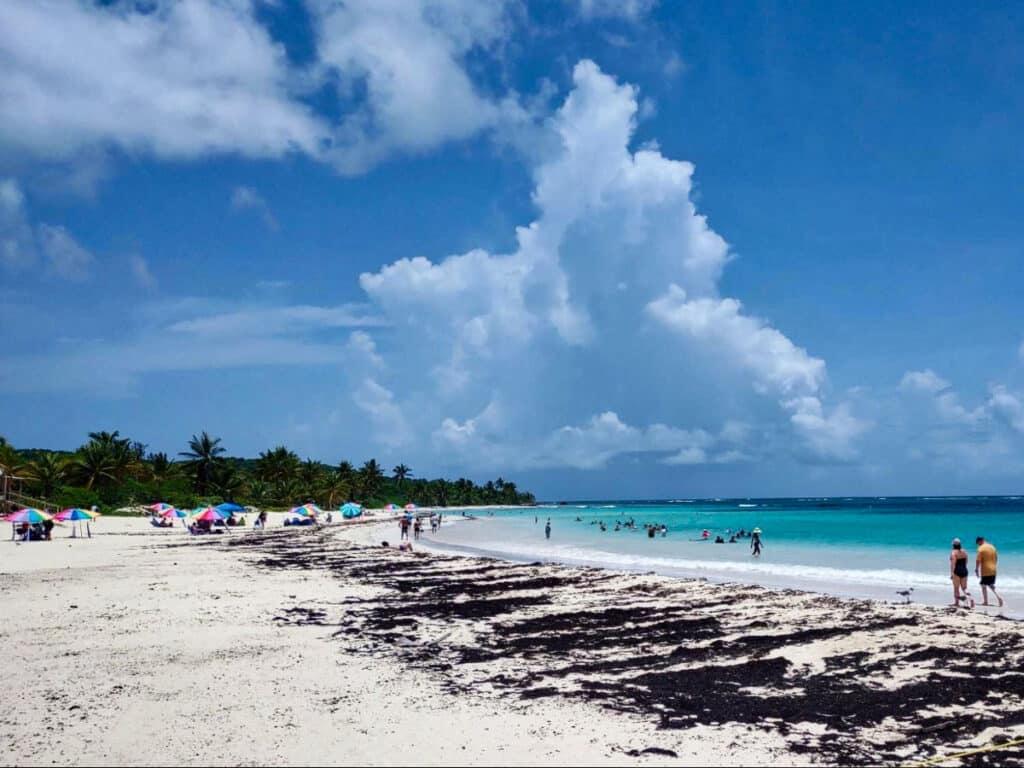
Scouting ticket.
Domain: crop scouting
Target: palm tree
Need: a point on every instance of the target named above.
(161, 467)
(288, 491)
(370, 476)
(277, 465)
(203, 456)
(442, 492)
(10, 462)
(336, 488)
(259, 492)
(311, 473)
(400, 473)
(122, 459)
(94, 465)
(227, 481)
(47, 474)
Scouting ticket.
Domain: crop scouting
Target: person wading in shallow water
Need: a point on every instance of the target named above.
(958, 573)
(547, 529)
(985, 569)
(755, 543)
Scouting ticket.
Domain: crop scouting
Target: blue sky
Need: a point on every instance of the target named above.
(628, 249)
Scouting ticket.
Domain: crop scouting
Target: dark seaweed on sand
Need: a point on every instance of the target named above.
(663, 650)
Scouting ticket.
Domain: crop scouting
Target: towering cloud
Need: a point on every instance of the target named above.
(607, 308)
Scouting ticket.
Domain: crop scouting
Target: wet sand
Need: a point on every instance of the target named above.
(292, 646)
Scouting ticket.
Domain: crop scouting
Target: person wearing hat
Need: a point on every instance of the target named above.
(755, 542)
(985, 569)
(958, 574)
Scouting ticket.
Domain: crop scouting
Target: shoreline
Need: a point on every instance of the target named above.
(883, 585)
(304, 646)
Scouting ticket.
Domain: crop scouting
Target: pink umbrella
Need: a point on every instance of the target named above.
(209, 515)
(160, 507)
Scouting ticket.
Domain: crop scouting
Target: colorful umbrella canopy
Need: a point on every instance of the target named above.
(306, 510)
(229, 507)
(160, 507)
(352, 510)
(74, 513)
(410, 507)
(175, 512)
(390, 507)
(209, 514)
(28, 515)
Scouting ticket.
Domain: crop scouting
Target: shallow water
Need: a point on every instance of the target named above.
(866, 547)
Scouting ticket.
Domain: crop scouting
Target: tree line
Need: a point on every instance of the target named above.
(111, 471)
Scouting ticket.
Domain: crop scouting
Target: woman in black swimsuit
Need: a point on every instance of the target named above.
(958, 573)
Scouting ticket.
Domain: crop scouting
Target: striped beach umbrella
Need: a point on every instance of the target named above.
(75, 513)
(208, 514)
(77, 516)
(352, 509)
(28, 515)
(175, 512)
(160, 507)
(306, 510)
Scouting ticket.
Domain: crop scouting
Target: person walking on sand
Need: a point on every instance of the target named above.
(985, 569)
(958, 573)
(547, 529)
(755, 542)
(403, 526)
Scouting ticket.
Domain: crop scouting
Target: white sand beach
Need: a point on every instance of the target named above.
(146, 646)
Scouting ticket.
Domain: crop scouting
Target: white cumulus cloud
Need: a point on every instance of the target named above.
(610, 297)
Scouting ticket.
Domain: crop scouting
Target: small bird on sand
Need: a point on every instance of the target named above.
(905, 594)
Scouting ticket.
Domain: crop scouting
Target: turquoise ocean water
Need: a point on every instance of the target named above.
(865, 547)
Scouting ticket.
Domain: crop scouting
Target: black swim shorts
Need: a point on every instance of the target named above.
(988, 581)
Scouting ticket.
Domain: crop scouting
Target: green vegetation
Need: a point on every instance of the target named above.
(110, 471)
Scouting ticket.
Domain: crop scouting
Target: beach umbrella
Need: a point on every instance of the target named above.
(74, 513)
(410, 507)
(175, 512)
(28, 515)
(389, 507)
(77, 515)
(209, 514)
(306, 510)
(351, 510)
(229, 507)
(160, 507)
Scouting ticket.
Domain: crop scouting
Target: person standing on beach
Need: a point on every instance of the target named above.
(547, 529)
(985, 569)
(403, 526)
(755, 543)
(958, 573)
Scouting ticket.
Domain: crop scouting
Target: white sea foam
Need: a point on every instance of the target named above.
(750, 571)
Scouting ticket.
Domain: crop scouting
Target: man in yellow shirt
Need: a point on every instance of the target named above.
(985, 568)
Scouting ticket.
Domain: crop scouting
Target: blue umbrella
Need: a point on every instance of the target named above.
(229, 507)
(351, 510)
